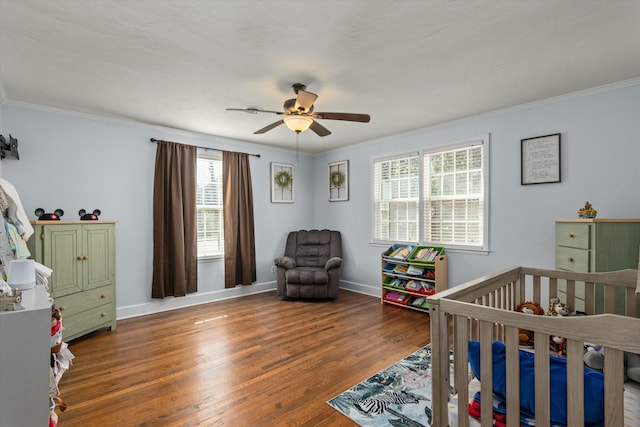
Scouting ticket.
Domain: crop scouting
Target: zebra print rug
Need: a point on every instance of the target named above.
(399, 395)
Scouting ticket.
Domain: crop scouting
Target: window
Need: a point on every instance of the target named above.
(396, 198)
(440, 202)
(209, 206)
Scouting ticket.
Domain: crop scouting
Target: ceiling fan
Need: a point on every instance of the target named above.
(299, 115)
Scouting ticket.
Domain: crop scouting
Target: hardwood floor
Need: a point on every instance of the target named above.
(251, 361)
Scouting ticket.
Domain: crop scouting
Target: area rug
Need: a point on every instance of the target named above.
(399, 395)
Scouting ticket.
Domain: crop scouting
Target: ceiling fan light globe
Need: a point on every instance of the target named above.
(298, 123)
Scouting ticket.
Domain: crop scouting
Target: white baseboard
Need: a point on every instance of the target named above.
(204, 298)
(374, 291)
(172, 303)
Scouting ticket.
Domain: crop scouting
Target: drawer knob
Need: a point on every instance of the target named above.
(80, 258)
(63, 308)
(103, 314)
(571, 235)
(570, 259)
(103, 296)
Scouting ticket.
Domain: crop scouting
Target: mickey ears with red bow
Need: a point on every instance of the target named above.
(89, 216)
(55, 216)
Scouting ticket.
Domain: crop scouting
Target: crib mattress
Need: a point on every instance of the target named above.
(631, 405)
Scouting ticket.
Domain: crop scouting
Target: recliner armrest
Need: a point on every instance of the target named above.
(333, 263)
(285, 262)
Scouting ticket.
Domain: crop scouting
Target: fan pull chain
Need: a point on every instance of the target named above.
(297, 142)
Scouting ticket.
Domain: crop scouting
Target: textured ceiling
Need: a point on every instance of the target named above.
(409, 64)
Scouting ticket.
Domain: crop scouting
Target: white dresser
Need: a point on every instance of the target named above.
(25, 357)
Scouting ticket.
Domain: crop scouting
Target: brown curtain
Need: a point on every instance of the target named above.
(175, 247)
(239, 241)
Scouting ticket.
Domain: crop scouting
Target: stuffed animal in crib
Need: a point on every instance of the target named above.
(594, 359)
(528, 307)
(557, 308)
(633, 366)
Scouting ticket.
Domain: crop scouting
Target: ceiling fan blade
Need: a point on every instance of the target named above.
(269, 127)
(319, 129)
(350, 117)
(305, 100)
(254, 110)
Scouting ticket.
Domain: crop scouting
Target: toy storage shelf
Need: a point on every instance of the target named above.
(407, 280)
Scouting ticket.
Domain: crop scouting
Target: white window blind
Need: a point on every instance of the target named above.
(434, 198)
(209, 207)
(454, 199)
(396, 198)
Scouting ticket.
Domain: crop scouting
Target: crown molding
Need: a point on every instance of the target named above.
(516, 108)
(229, 144)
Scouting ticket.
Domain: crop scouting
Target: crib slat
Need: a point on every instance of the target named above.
(571, 294)
(461, 360)
(520, 288)
(613, 387)
(439, 363)
(513, 381)
(575, 383)
(553, 287)
(630, 303)
(486, 372)
(536, 288)
(589, 298)
(542, 390)
(609, 299)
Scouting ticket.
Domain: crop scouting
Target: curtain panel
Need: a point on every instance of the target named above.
(239, 240)
(175, 248)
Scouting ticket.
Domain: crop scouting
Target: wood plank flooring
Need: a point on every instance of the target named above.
(251, 361)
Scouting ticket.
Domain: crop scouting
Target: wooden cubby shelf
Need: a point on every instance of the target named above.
(412, 273)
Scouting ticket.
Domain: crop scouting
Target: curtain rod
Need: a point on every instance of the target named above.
(205, 148)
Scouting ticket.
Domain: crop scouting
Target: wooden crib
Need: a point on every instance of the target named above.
(484, 310)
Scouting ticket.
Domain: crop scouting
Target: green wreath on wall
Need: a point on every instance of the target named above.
(283, 179)
(337, 179)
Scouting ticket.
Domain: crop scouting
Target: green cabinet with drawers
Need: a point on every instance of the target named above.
(82, 257)
(597, 245)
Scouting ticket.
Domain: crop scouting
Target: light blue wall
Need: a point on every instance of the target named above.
(77, 162)
(599, 159)
(71, 162)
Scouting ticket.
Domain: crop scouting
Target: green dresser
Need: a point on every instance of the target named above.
(597, 245)
(82, 257)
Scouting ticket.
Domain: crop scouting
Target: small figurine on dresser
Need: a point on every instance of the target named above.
(587, 211)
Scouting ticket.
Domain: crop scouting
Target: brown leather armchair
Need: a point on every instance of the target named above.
(311, 265)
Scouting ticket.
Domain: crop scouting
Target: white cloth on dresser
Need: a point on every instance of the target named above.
(14, 202)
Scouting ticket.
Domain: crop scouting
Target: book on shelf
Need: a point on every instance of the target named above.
(418, 301)
(415, 271)
(395, 297)
(400, 268)
(401, 252)
(414, 285)
(426, 254)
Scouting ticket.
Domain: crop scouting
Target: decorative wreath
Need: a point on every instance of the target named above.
(283, 179)
(337, 179)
